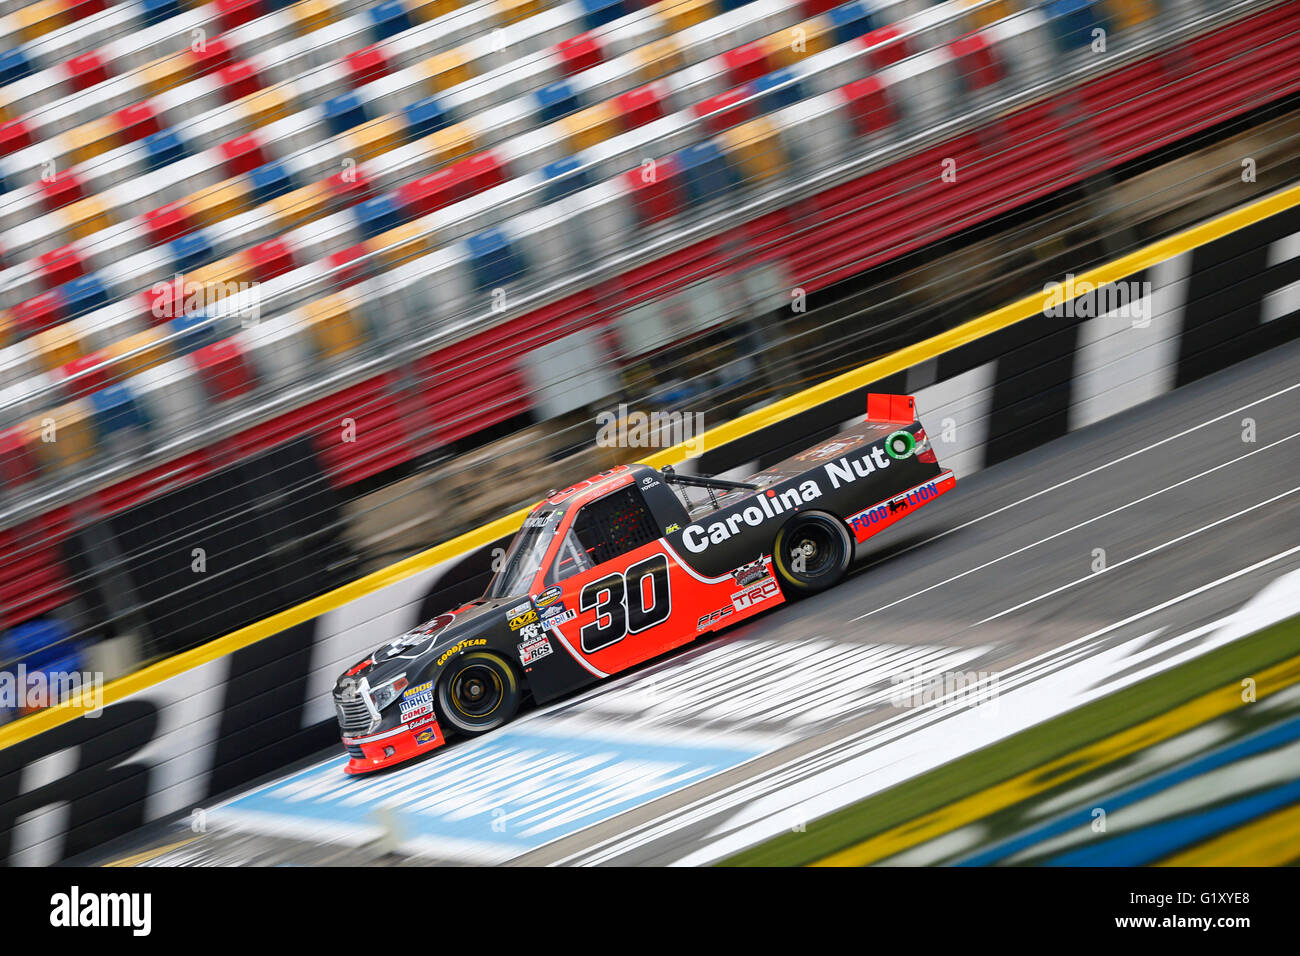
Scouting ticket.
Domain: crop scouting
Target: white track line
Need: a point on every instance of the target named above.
(1092, 471)
(771, 780)
(1076, 527)
(1138, 557)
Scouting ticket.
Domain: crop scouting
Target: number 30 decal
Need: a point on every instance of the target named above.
(622, 605)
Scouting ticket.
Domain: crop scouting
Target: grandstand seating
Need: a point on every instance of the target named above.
(231, 207)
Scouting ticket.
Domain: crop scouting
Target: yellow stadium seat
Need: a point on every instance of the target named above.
(85, 217)
(301, 206)
(512, 11)
(311, 15)
(396, 246)
(451, 143)
(83, 143)
(588, 127)
(1130, 13)
(166, 73)
(37, 19)
(268, 105)
(791, 45)
(659, 58)
(756, 148)
(56, 346)
(989, 13)
(422, 11)
(447, 69)
(63, 436)
(378, 136)
(137, 352)
(680, 14)
(219, 202)
(335, 324)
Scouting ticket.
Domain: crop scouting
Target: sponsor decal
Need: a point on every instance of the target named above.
(559, 615)
(697, 538)
(883, 512)
(534, 649)
(749, 573)
(518, 609)
(538, 520)
(427, 736)
(520, 620)
(672, 527)
(708, 620)
(548, 597)
(413, 711)
(417, 702)
(755, 595)
(457, 648)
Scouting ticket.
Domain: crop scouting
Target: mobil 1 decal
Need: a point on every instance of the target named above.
(626, 602)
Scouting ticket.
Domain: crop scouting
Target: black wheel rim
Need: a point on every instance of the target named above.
(477, 691)
(816, 545)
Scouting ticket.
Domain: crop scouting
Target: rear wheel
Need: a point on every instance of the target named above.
(811, 552)
(478, 692)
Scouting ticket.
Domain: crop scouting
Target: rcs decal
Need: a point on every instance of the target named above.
(621, 604)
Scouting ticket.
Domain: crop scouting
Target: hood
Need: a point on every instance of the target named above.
(400, 654)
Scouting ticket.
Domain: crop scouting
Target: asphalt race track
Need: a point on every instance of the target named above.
(765, 728)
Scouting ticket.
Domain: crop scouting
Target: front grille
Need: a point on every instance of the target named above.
(354, 715)
(355, 751)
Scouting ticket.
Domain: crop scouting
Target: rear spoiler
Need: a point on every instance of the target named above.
(891, 409)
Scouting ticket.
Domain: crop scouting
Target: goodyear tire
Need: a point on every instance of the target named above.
(477, 692)
(900, 445)
(811, 553)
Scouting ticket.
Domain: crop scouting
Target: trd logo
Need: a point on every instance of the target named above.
(756, 595)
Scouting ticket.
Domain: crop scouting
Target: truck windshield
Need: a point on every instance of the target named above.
(524, 558)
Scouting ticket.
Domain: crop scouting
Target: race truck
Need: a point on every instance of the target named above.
(625, 567)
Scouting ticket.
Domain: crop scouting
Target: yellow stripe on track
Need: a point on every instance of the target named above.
(1027, 307)
(1213, 704)
(1273, 840)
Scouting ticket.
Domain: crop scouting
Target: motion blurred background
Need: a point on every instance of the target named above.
(293, 291)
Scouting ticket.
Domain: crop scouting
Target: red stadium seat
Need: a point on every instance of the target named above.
(579, 53)
(61, 189)
(640, 106)
(239, 79)
(887, 46)
(86, 70)
(242, 154)
(61, 265)
(746, 63)
(367, 64)
(222, 368)
(167, 223)
(270, 259)
(869, 105)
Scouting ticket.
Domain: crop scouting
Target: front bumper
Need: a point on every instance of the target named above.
(388, 748)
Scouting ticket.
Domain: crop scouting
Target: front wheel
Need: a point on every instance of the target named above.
(478, 692)
(812, 551)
